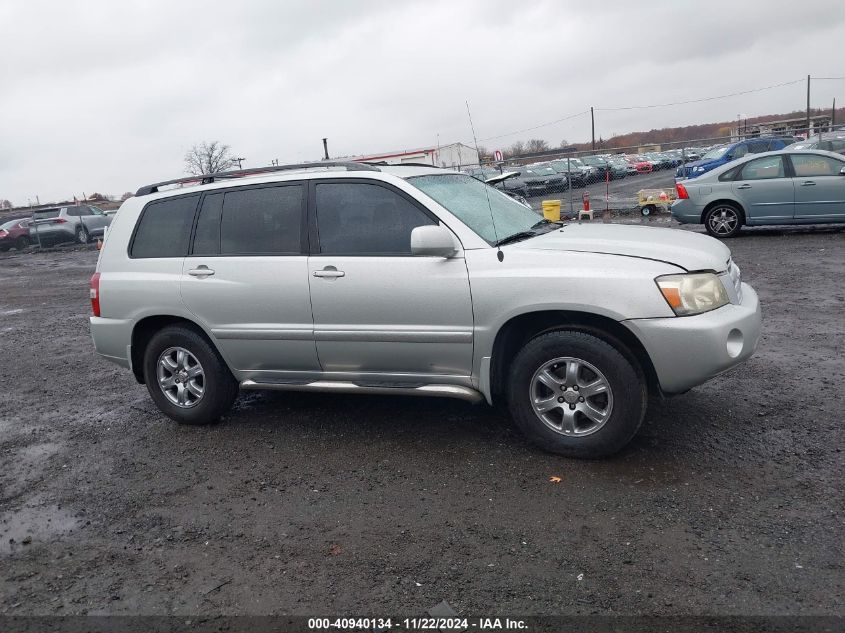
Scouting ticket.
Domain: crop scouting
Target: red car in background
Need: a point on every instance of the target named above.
(641, 164)
(14, 234)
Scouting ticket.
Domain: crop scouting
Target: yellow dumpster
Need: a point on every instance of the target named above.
(551, 210)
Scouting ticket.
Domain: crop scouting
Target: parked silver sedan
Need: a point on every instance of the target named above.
(782, 187)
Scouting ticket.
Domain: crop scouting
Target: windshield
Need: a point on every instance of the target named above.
(540, 171)
(10, 224)
(593, 160)
(717, 152)
(466, 199)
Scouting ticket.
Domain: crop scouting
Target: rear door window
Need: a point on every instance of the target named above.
(811, 165)
(262, 221)
(164, 229)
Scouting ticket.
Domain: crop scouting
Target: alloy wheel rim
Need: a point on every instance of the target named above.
(180, 377)
(571, 396)
(723, 220)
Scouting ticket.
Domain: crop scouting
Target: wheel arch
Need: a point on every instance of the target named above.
(728, 201)
(144, 330)
(520, 329)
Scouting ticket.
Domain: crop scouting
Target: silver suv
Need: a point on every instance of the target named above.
(347, 277)
(77, 223)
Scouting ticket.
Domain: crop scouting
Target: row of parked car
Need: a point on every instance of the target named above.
(560, 174)
(80, 223)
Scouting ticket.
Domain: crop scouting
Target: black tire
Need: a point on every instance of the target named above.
(724, 220)
(81, 235)
(648, 209)
(627, 387)
(22, 243)
(219, 386)
(4, 248)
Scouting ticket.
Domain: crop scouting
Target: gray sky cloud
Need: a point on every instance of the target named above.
(106, 96)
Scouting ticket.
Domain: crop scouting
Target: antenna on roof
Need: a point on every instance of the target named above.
(499, 254)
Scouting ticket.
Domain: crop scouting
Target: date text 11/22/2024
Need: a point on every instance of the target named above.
(415, 624)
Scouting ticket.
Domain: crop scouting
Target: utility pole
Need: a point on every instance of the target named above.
(833, 116)
(238, 160)
(593, 126)
(808, 106)
(325, 149)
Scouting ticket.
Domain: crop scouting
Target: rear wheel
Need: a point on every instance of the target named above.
(723, 220)
(81, 235)
(186, 377)
(574, 394)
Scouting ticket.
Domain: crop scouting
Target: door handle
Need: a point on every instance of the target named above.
(329, 272)
(807, 183)
(201, 271)
(744, 187)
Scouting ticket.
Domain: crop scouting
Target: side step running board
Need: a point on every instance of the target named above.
(328, 386)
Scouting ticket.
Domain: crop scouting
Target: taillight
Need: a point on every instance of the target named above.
(59, 220)
(3, 232)
(682, 191)
(95, 294)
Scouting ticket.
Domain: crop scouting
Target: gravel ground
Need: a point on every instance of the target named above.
(729, 500)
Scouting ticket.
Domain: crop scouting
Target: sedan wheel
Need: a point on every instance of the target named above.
(723, 221)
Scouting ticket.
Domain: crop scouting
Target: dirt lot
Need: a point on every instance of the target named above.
(728, 501)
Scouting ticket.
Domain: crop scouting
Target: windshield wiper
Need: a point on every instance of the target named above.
(532, 232)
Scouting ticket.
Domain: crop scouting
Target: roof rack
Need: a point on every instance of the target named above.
(384, 163)
(205, 179)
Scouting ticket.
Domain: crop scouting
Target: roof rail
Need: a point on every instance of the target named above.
(205, 179)
(383, 163)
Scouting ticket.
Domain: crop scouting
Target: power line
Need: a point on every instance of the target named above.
(733, 94)
(537, 127)
(829, 78)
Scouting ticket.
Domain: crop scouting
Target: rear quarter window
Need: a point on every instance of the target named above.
(164, 228)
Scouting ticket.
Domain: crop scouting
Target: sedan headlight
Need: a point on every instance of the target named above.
(698, 169)
(692, 293)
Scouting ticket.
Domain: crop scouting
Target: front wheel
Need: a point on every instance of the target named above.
(574, 394)
(81, 235)
(723, 220)
(186, 377)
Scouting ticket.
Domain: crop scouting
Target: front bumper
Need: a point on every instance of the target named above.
(688, 351)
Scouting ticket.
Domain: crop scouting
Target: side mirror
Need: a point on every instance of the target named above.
(433, 241)
(842, 172)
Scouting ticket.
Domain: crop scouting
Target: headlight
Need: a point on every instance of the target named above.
(698, 169)
(692, 293)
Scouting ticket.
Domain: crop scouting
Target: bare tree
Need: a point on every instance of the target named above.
(564, 143)
(536, 145)
(209, 158)
(516, 149)
(127, 195)
(5, 204)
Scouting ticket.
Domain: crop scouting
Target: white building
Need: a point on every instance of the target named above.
(456, 155)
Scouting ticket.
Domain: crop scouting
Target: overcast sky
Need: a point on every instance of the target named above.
(105, 96)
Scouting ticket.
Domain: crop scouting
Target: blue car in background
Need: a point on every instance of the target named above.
(724, 154)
